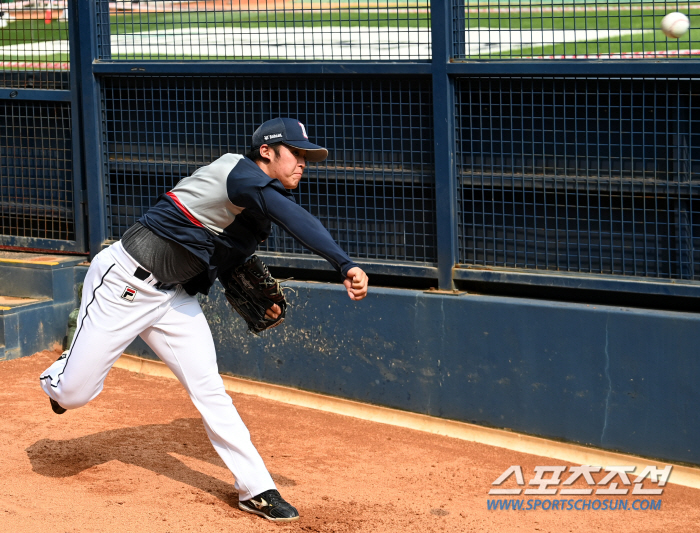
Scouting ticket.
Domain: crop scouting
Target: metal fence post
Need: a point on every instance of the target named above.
(681, 160)
(79, 212)
(444, 123)
(91, 125)
(104, 34)
(459, 26)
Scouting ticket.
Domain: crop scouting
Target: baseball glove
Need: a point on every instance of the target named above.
(251, 290)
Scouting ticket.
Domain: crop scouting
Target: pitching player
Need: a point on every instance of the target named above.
(146, 285)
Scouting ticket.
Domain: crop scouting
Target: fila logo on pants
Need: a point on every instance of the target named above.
(129, 294)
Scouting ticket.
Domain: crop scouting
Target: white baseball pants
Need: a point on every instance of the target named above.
(116, 307)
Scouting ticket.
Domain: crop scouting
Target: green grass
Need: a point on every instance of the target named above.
(36, 30)
(652, 39)
(21, 31)
(32, 31)
(168, 21)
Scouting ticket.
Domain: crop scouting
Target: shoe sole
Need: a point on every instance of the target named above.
(56, 408)
(260, 513)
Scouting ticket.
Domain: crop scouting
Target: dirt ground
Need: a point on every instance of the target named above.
(137, 459)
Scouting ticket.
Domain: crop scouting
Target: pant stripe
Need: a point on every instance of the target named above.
(94, 293)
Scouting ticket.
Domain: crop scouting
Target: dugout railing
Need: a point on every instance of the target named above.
(455, 156)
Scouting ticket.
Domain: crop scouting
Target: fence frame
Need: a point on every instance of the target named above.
(72, 96)
(87, 70)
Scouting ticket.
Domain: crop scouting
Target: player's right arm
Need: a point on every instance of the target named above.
(310, 233)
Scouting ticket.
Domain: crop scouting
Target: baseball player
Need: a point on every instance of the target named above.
(146, 284)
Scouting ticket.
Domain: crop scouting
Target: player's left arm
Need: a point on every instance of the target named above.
(309, 232)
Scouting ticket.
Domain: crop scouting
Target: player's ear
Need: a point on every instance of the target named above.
(266, 152)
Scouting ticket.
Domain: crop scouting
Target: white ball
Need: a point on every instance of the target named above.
(675, 24)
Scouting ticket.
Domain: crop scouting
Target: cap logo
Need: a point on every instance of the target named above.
(303, 130)
(273, 136)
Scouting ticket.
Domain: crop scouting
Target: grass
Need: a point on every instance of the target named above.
(123, 24)
(288, 19)
(652, 39)
(32, 31)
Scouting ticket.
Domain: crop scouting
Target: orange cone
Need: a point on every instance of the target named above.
(48, 16)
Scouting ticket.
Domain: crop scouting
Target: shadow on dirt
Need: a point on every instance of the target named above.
(148, 447)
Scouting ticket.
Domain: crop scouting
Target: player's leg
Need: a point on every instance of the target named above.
(182, 339)
(114, 309)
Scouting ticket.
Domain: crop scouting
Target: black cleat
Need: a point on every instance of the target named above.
(57, 408)
(270, 505)
(54, 404)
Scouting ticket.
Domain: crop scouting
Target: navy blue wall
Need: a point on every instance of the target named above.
(610, 377)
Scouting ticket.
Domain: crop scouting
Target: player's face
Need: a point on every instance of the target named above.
(288, 166)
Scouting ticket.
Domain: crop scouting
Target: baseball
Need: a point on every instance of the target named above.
(675, 24)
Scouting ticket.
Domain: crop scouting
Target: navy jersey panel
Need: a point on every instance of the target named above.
(167, 220)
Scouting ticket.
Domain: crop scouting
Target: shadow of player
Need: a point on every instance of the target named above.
(148, 447)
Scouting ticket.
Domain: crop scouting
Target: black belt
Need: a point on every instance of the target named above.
(143, 275)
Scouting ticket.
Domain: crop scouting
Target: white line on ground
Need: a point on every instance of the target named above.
(313, 43)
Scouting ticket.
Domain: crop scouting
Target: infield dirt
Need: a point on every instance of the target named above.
(137, 458)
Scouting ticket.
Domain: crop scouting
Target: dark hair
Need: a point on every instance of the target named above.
(254, 154)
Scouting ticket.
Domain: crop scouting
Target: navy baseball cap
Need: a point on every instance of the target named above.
(290, 132)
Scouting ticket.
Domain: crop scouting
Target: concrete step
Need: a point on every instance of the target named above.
(11, 303)
(37, 293)
(31, 275)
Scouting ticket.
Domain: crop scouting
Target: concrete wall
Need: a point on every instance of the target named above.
(611, 377)
(40, 324)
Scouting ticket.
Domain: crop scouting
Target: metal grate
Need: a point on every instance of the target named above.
(265, 29)
(375, 193)
(36, 190)
(571, 29)
(580, 175)
(34, 44)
